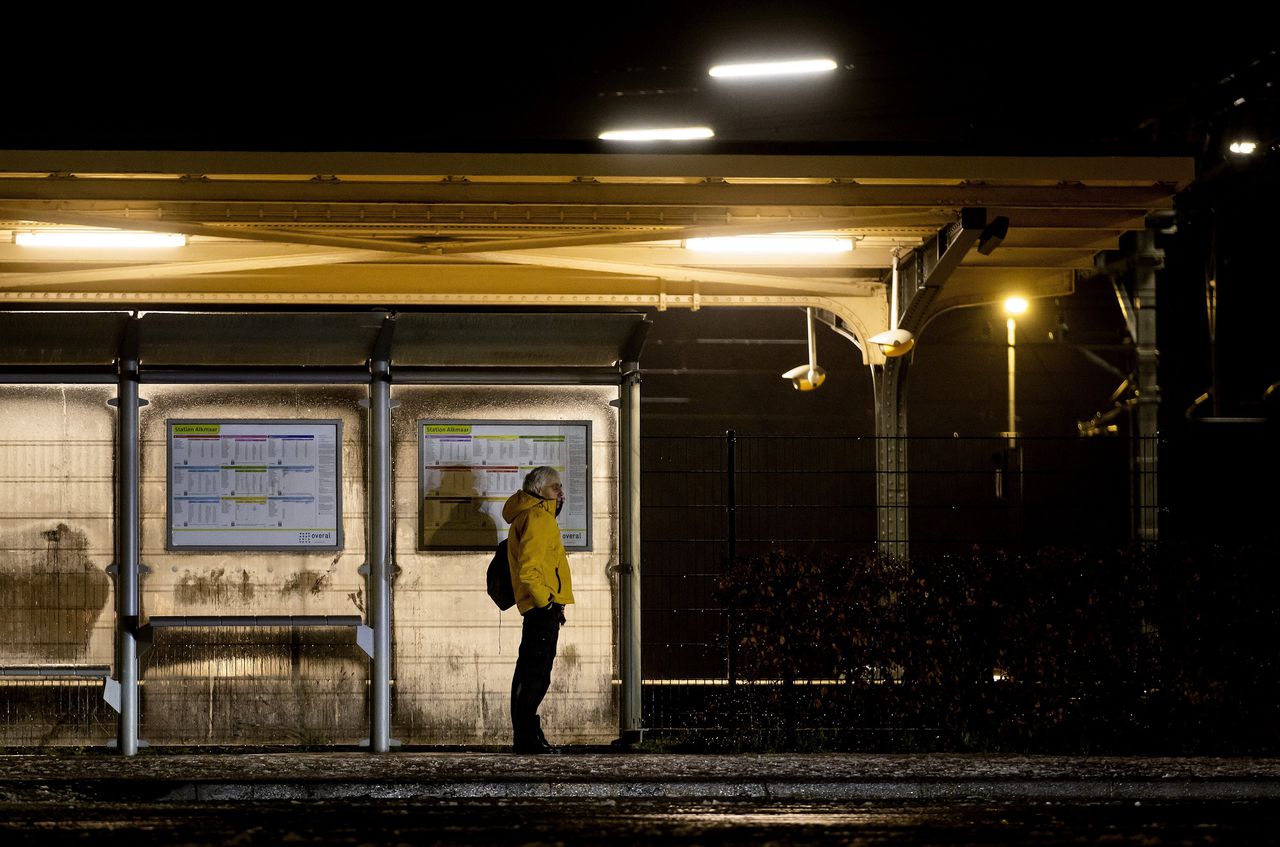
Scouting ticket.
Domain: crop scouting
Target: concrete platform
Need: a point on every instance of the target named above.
(158, 776)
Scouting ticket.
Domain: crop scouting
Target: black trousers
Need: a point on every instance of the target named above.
(538, 638)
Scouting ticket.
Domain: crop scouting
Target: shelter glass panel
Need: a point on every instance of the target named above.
(455, 651)
(264, 685)
(55, 547)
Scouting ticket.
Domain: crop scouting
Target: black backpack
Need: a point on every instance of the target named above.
(499, 578)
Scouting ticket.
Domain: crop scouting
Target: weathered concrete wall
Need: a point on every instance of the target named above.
(55, 546)
(454, 650)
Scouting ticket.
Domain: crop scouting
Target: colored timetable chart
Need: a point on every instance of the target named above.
(468, 469)
(255, 485)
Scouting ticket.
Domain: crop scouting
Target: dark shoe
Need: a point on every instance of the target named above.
(532, 747)
(542, 739)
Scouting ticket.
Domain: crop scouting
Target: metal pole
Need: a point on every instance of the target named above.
(891, 458)
(126, 531)
(1009, 477)
(731, 494)
(812, 338)
(1012, 432)
(629, 707)
(731, 509)
(1147, 260)
(379, 554)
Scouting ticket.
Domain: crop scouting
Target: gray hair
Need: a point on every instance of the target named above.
(539, 478)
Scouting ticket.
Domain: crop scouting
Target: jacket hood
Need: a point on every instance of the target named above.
(523, 501)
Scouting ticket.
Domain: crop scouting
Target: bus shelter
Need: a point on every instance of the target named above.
(322, 236)
(245, 476)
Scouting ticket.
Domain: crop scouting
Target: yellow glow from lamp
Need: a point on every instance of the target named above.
(107, 239)
(1016, 306)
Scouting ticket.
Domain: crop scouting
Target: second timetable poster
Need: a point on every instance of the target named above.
(468, 469)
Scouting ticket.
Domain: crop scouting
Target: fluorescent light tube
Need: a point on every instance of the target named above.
(99, 239)
(770, 244)
(678, 133)
(758, 69)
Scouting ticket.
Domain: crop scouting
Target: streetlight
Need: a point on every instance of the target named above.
(1013, 306)
(1008, 461)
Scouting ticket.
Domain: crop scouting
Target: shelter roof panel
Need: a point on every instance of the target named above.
(61, 338)
(252, 339)
(515, 339)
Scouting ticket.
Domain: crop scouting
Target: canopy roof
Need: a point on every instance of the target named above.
(549, 231)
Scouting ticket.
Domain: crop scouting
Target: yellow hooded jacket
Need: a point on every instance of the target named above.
(535, 552)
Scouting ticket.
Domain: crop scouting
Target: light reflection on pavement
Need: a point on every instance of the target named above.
(634, 822)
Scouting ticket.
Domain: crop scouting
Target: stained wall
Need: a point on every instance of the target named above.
(453, 650)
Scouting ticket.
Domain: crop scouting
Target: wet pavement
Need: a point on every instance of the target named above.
(471, 798)
(633, 822)
(165, 776)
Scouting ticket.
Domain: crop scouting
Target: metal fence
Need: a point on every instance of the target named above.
(708, 500)
(714, 501)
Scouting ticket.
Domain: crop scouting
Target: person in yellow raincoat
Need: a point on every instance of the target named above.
(543, 587)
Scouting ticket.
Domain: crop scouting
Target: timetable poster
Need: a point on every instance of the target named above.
(468, 469)
(255, 485)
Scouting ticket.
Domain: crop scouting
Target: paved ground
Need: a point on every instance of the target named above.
(610, 821)
(158, 776)
(348, 798)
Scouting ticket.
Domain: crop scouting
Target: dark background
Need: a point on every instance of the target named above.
(996, 79)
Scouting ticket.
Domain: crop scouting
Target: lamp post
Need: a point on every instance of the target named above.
(1009, 467)
(1013, 306)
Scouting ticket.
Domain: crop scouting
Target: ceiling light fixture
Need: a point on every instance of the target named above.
(810, 376)
(1016, 306)
(106, 239)
(770, 244)
(790, 67)
(894, 342)
(678, 133)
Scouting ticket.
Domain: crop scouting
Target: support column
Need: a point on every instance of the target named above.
(731, 549)
(1146, 260)
(379, 554)
(629, 705)
(126, 554)
(923, 274)
(891, 458)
